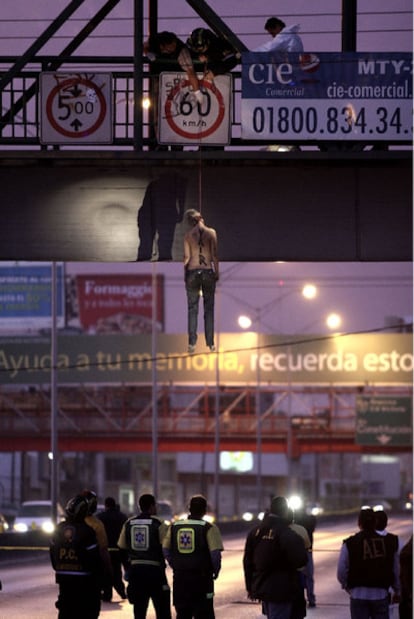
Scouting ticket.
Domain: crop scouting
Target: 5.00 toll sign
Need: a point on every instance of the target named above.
(182, 120)
(76, 108)
(326, 96)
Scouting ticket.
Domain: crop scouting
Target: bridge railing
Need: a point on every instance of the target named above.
(20, 102)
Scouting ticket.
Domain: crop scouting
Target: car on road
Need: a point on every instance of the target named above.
(36, 516)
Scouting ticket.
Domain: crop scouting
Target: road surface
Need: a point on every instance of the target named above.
(29, 589)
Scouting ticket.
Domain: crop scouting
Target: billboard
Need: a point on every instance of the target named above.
(365, 359)
(119, 303)
(327, 96)
(26, 296)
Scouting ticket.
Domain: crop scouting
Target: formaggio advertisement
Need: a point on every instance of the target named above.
(240, 358)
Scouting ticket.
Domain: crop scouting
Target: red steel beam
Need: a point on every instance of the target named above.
(195, 444)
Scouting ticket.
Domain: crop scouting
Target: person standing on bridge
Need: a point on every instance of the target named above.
(368, 567)
(201, 272)
(193, 549)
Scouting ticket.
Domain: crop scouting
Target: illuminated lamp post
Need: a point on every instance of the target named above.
(309, 292)
(332, 321)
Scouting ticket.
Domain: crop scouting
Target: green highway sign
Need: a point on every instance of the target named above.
(383, 420)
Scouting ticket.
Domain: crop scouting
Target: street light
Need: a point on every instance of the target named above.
(309, 292)
(333, 321)
(244, 322)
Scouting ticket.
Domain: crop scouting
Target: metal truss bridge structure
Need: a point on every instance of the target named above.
(285, 419)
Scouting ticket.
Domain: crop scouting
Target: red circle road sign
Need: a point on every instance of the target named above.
(199, 134)
(65, 86)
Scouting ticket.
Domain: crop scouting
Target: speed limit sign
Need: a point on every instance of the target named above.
(76, 108)
(182, 120)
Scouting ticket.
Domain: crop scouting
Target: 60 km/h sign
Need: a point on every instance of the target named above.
(182, 120)
(76, 108)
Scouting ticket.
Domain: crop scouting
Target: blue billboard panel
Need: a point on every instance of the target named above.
(26, 296)
(327, 96)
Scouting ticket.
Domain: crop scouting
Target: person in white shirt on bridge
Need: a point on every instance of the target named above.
(284, 38)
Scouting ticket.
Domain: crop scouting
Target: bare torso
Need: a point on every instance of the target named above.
(200, 248)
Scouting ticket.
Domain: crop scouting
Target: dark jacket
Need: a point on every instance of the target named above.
(272, 554)
(306, 520)
(371, 559)
(113, 520)
(220, 57)
(74, 552)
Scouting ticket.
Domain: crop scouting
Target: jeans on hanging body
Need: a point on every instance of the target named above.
(203, 280)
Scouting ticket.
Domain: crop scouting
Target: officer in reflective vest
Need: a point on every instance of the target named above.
(193, 548)
(141, 538)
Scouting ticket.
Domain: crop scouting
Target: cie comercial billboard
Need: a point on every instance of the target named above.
(383, 359)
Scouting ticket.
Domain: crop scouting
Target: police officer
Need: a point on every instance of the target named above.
(75, 557)
(141, 538)
(368, 567)
(99, 528)
(193, 549)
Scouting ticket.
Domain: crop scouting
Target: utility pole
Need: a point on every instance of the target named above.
(138, 74)
(349, 25)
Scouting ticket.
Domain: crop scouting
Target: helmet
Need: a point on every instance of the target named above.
(200, 39)
(77, 508)
(91, 499)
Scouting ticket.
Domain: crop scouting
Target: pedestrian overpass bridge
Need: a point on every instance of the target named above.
(293, 419)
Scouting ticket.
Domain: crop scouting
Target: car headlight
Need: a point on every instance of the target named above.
(295, 502)
(316, 510)
(20, 527)
(247, 516)
(48, 527)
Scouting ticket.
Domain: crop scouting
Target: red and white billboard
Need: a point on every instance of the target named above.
(119, 303)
